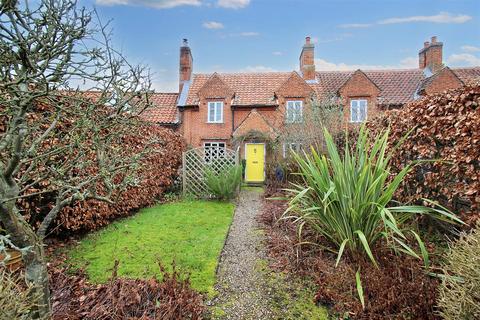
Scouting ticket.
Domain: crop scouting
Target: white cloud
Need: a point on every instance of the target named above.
(233, 4)
(324, 65)
(442, 17)
(277, 53)
(158, 4)
(258, 68)
(212, 25)
(463, 59)
(470, 49)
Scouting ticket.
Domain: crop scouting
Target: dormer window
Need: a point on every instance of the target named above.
(294, 111)
(215, 112)
(358, 110)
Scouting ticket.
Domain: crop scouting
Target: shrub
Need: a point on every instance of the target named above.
(17, 298)
(156, 173)
(398, 289)
(459, 292)
(347, 199)
(224, 183)
(445, 126)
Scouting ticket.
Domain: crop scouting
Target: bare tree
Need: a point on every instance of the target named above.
(307, 128)
(55, 139)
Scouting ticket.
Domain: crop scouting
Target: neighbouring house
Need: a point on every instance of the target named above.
(214, 110)
(164, 111)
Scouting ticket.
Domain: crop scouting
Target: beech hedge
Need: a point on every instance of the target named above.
(446, 128)
(153, 174)
(157, 173)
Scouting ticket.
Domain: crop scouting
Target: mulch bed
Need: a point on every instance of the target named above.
(398, 289)
(73, 297)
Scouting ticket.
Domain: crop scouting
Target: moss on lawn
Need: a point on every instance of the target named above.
(190, 232)
(292, 298)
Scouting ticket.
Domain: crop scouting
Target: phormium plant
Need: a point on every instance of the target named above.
(224, 183)
(347, 199)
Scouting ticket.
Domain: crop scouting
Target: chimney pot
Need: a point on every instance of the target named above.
(431, 55)
(307, 60)
(186, 64)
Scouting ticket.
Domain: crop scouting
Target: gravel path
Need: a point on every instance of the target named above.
(242, 293)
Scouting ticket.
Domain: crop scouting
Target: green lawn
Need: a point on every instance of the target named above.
(191, 232)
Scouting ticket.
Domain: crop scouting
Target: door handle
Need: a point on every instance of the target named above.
(254, 161)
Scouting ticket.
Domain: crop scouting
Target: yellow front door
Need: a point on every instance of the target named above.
(255, 157)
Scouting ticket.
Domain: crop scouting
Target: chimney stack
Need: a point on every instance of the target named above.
(186, 64)
(307, 60)
(431, 55)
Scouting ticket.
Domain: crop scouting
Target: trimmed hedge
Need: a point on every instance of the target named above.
(156, 175)
(445, 127)
(125, 138)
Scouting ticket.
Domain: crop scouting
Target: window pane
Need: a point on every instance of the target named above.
(354, 111)
(211, 112)
(363, 113)
(219, 112)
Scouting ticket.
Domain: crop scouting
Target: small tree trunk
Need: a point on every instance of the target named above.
(36, 273)
(24, 236)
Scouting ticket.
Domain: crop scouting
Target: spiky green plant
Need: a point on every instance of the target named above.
(347, 199)
(223, 184)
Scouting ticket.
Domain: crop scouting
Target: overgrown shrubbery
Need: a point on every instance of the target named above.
(224, 183)
(459, 293)
(445, 126)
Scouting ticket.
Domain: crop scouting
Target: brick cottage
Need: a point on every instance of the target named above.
(212, 110)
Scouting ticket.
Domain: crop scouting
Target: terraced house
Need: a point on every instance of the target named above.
(212, 110)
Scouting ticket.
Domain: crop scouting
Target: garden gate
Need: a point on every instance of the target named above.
(197, 160)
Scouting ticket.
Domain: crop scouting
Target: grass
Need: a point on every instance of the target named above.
(292, 297)
(190, 232)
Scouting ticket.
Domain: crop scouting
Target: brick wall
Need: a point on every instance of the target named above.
(359, 86)
(445, 79)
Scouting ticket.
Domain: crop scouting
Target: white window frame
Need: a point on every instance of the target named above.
(357, 102)
(218, 111)
(296, 118)
(214, 153)
(295, 146)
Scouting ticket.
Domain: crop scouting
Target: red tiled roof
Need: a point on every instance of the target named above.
(249, 88)
(164, 109)
(467, 74)
(397, 86)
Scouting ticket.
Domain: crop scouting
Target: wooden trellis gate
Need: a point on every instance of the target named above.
(195, 163)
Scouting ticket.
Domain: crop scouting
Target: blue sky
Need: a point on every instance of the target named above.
(267, 35)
